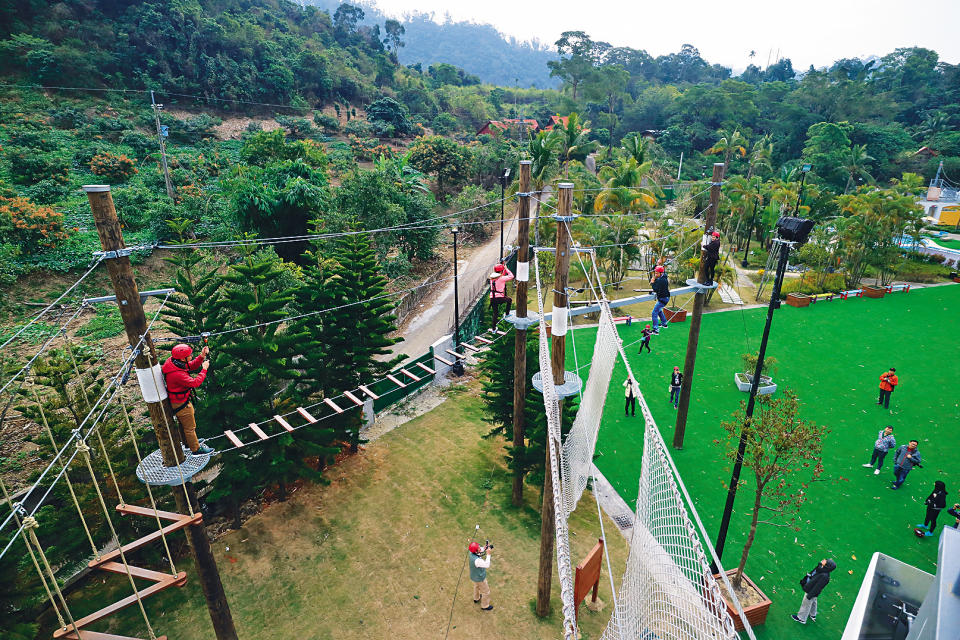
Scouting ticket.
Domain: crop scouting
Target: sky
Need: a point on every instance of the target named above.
(814, 32)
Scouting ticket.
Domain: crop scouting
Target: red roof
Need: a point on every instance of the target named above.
(495, 126)
(555, 120)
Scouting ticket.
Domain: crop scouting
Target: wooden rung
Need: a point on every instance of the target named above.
(177, 580)
(136, 572)
(96, 635)
(306, 414)
(410, 375)
(231, 436)
(467, 345)
(449, 363)
(456, 355)
(369, 393)
(257, 430)
(354, 399)
(426, 368)
(395, 380)
(483, 340)
(498, 332)
(283, 423)
(134, 510)
(147, 539)
(332, 405)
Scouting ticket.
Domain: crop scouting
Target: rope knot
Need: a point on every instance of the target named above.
(30, 523)
(82, 447)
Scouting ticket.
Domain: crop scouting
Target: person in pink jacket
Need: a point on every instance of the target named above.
(498, 292)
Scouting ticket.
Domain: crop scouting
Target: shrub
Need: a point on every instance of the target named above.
(327, 123)
(296, 128)
(141, 144)
(115, 168)
(67, 118)
(362, 147)
(39, 140)
(384, 150)
(444, 124)
(28, 225)
(341, 157)
(807, 283)
(358, 128)
(749, 361)
(29, 167)
(47, 191)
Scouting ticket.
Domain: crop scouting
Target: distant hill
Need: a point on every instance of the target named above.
(476, 48)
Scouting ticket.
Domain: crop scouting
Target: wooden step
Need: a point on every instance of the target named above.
(410, 375)
(147, 539)
(134, 510)
(449, 363)
(257, 430)
(369, 393)
(232, 437)
(306, 414)
(283, 423)
(483, 340)
(177, 580)
(467, 345)
(136, 572)
(354, 399)
(426, 368)
(459, 356)
(96, 635)
(333, 405)
(396, 381)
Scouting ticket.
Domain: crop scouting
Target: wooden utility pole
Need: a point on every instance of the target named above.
(520, 334)
(699, 300)
(558, 335)
(168, 435)
(163, 147)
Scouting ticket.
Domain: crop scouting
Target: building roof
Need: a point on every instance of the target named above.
(492, 126)
(926, 150)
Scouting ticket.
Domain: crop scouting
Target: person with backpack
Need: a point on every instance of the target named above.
(498, 292)
(676, 381)
(935, 502)
(181, 376)
(812, 585)
(661, 289)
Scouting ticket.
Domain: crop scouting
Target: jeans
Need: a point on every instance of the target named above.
(675, 396)
(630, 406)
(900, 474)
(878, 456)
(884, 398)
(930, 521)
(644, 343)
(658, 312)
(495, 307)
(711, 269)
(808, 609)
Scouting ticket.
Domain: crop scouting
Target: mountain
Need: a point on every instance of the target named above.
(478, 49)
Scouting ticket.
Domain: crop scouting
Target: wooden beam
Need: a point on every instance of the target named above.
(426, 368)
(483, 340)
(134, 510)
(136, 572)
(369, 393)
(467, 345)
(449, 363)
(283, 423)
(96, 635)
(306, 414)
(459, 356)
(354, 399)
(396, 381)
(410, 375)
(257, 430)
(333, 405)
(231, 436)
(147, 539)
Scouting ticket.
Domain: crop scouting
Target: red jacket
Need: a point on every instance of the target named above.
(179, 381)
(888, 381)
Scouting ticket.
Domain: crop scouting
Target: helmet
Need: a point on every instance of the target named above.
(474, 547)
(498, 268)
(716, 234)
(648, 326)
(181, 351)
(659, 268)
(676, 368)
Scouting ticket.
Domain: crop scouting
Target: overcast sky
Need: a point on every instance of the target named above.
(812, 32)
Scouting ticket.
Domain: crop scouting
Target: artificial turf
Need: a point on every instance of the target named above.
(831, 354)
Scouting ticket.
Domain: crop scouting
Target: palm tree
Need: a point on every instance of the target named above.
(544, 167)
(760, 156)
(573, 141)
(855, 163)
(730, 143)
(636, 147)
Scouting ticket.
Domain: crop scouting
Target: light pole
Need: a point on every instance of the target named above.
(503, 190)
(457, 365)
(792, 231)
(753, 221)
(804, 170)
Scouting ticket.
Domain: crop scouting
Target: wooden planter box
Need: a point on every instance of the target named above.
(756, 614)
(744, 380)
(798, 300)
(874, 292)
(675, 315)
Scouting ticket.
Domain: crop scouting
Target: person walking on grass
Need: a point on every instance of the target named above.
(935, 502)
(631, 393)
(645, 339)
(676, 380)
(498, 292)
(906, 458)
(478, 575)
(884, 442)
(888, 380)
(812, 585)
(661, 289)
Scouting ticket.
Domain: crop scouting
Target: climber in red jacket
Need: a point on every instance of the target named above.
(178, 375)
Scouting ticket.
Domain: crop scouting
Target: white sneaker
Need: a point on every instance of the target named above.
(876, 472)
(868, 465)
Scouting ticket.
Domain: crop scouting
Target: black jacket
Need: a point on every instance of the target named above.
(818, 579)
(676, 379)
(938, 499)
(713, 250)
(661, 286)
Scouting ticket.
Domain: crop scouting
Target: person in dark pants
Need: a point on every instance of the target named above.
(955, 512)
(812, 584)
(906, 458)
(498, 292)
(884, 442)
(888, 380)
(711, 256)
(631, 393)
(676, 380)
(936, 502)
(645, 339)
(661, 289)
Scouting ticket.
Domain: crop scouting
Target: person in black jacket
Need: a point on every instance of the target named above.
(661, 289)
(812, 584)
(676, 381)
(711, 254)
(936, 502)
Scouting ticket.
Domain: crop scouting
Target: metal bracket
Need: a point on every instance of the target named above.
(143, 296)
(120, 253)
(569, 218)
(522, 323)
(702, 288)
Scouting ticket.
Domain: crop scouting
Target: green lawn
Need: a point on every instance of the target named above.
(947, 243)
(832, 355)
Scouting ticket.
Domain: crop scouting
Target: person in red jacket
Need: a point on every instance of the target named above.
(888, 380)
(178, 375)
(498, 292)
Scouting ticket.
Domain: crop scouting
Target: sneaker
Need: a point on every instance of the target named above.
(868, 465)
(813, 618)
(928, 534)
(476, 601)
(876, 472)
(490, 608)
(921, 526)
(203, 450)
(797, 618)
(656, 332)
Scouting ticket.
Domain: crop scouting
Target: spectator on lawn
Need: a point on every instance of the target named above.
(906, 458)
(676, 380)
(936, 502)
(888, 380)
(812, 584)
(631, 393)
(661, 289)
(955, 512)
(885, 441)
(645, 339)
(478, 575)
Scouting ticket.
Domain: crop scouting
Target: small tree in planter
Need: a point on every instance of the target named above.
(745, 378)
(784, 453)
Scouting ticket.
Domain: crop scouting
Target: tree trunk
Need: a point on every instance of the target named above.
(755, 516)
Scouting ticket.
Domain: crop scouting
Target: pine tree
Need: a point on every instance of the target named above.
(192, 309)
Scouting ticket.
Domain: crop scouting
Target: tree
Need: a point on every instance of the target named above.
(609, 82)
(731, 143)
(346, 19)
(573, 142)
(394, 31)
(826, 149)
(579, 66)
(442, 158)
(856, 165)
(390, 112)
(780, 447)
(544, 167)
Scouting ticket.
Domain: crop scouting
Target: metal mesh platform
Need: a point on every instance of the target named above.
(151, 470)
(571, 384)
(702, 288)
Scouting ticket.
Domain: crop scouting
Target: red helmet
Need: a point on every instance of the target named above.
(181, 352)
(676, 368)
(474, 547)
(648, 326)
(499, 268)
(659, 269)
(716, 234)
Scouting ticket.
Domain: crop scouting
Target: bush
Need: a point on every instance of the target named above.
(141, 144)
(807, 283)
(358, 128)
(924, 270)
(749, 361)
(47, 191)
(39, 140)
(115, 168)
(191, 130)
(444, 124)
(296, 128)
(388, 114)
(67, 118)
(341, 157)
(28, 225)
(327, 123)
(29, 167)
(362, 147)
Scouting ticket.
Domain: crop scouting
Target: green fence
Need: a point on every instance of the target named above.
(391, 394)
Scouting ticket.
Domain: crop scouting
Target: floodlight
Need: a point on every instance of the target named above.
(794, 229)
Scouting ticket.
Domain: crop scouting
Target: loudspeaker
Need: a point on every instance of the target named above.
(794, 229)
